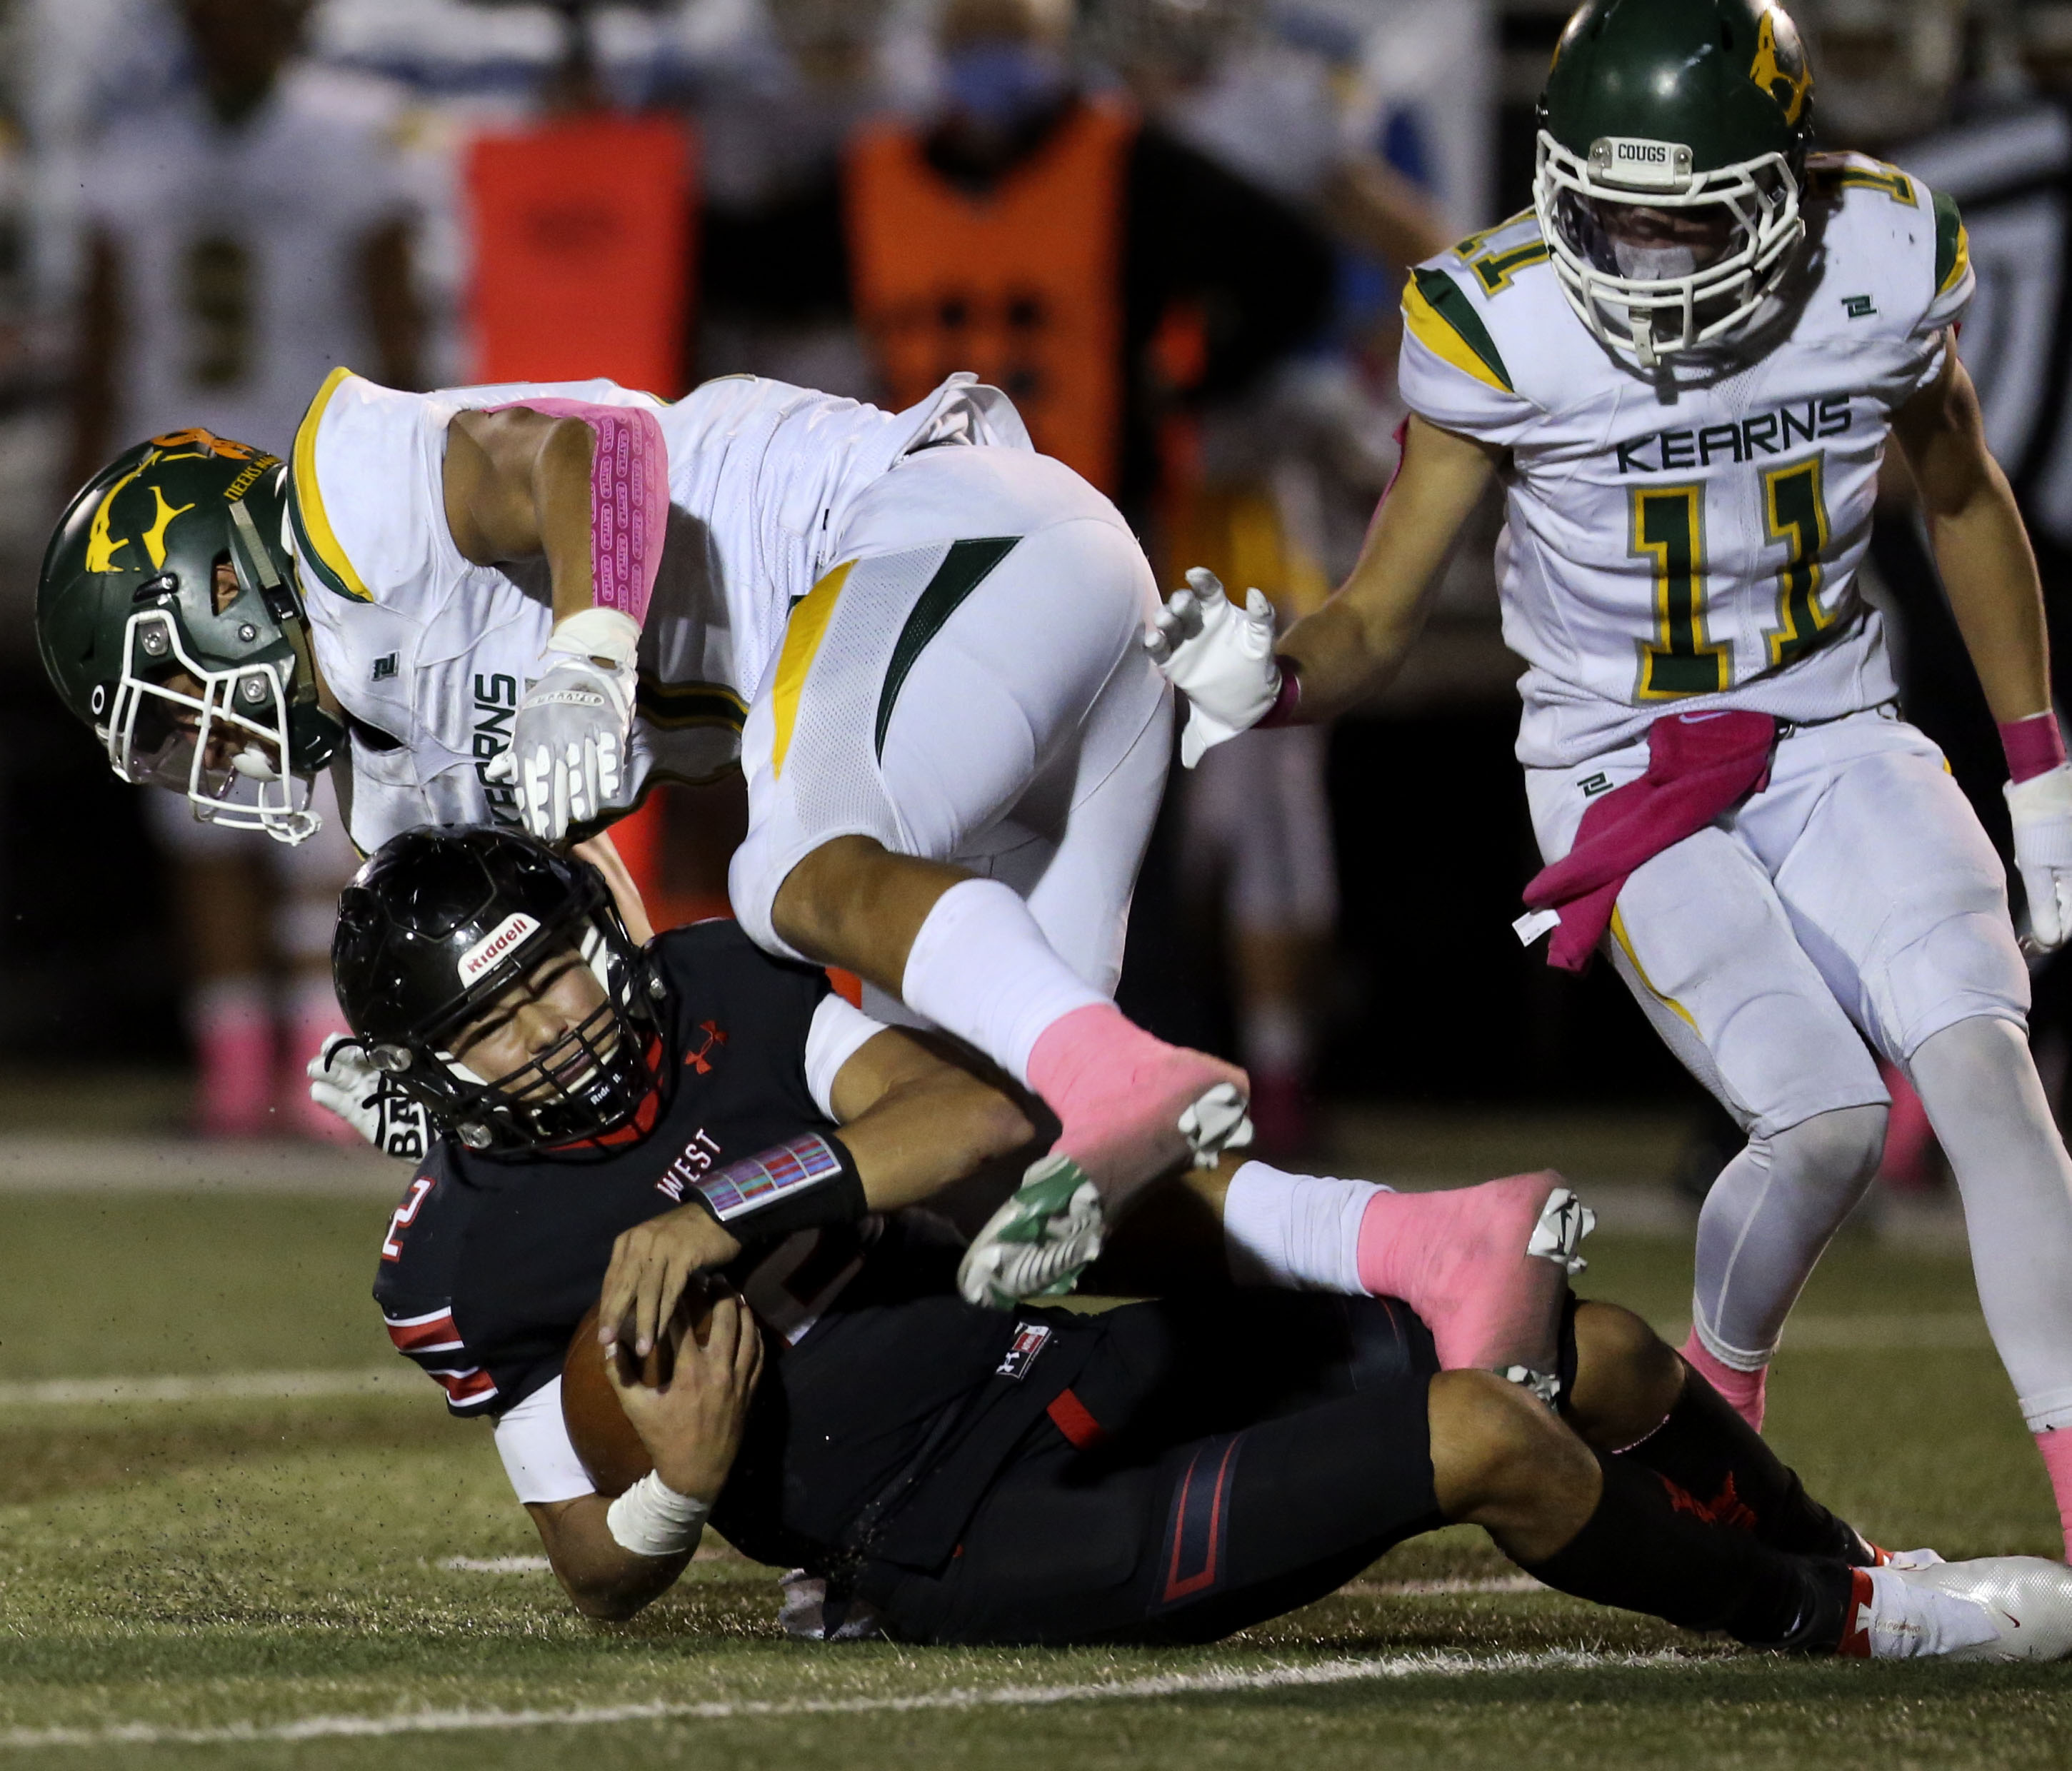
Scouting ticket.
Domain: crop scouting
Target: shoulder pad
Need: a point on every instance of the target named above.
(1495, 257)
(1830, 175)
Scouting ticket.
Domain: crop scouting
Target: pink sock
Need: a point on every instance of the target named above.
(313, 1018)
(1085, 1053)
(2056, 1446)
(1743, 1389)
(1908, 1136)
(231, 1025)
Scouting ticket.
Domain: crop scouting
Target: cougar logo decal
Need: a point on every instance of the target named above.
(1780, 66)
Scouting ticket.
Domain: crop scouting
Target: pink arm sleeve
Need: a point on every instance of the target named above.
(629, 498)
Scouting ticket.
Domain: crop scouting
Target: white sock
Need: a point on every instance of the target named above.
(1979, 1086)
(1768, 1216)
(981, 968)
(1300, 1232)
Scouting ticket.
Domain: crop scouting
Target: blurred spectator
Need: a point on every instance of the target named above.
(1259, 491)
(776, 111)
(1084, 260)
(247, 233)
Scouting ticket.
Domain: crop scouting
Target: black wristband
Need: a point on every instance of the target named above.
(806, 1183)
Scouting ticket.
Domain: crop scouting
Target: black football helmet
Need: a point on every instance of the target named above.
(436, 928)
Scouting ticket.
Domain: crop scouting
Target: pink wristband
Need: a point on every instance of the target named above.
(2034, 746)
(1282, 712)
(629, 498)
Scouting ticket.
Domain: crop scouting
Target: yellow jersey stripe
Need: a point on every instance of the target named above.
(313, 527)
(1449, 336)
(803, 635)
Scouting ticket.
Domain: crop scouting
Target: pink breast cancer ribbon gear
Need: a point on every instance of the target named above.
(629, 498)
(1698, 765)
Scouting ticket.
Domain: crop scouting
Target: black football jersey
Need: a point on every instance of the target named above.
(489, 1263)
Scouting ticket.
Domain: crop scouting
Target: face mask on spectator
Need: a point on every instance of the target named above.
(1001, 86)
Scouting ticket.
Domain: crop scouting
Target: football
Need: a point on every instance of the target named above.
(604, 1439)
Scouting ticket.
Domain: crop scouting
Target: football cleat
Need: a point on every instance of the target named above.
(1487, 1267)
(1038, 1244)
(1998, 1608)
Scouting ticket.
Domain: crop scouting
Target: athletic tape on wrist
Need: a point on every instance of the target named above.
(598, 633)
(2034, 746)
(651, 1518)
(629, 498)
(804, 1183)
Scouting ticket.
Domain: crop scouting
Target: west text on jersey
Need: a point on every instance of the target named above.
(690, 1167)
(1772, 433)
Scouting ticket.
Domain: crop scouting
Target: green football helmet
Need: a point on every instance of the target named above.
(1671, 157)
(168, 619)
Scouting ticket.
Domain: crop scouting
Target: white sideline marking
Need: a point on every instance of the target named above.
(1330, 1672)
(237, 1385)
(1442, 1589)
(498, 1564)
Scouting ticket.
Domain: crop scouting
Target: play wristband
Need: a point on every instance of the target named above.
(807, 1183)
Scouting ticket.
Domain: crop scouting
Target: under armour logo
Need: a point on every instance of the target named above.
(699, 1060)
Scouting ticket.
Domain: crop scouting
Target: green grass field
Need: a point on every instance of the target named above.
(267, 1582)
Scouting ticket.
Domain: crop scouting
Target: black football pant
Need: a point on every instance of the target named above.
(1215, 1463)
(1218, 1462)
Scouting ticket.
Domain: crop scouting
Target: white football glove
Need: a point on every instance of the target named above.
(369, 1100)
(571, 739)
(1220, 656)
(2042, 807)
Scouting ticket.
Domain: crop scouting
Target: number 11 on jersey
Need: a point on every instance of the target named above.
(1669, 532)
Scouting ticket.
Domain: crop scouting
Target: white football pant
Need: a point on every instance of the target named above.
(969, 685)
(1855, 899)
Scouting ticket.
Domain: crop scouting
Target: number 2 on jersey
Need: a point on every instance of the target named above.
(1669, 532)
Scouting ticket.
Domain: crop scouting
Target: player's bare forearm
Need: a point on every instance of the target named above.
(517, 486)
(1981, 548)
(1351, 647)
(927, 1124)
(603, 854)
(603, 1579)
(913, 1122)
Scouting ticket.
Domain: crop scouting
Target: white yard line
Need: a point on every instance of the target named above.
(382, 1380)
(1440, 1589)
(1330, 1672)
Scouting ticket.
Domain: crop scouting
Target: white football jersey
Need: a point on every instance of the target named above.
(429, 653)
(242, 284)
(1690, 539)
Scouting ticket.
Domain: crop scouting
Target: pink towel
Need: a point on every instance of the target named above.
(1698, 765)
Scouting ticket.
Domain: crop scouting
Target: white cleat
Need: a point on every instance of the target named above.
(1218, 1122)
(1037, 1244)
(2000, 1608)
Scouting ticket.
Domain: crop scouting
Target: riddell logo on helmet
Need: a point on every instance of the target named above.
(498, 945)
